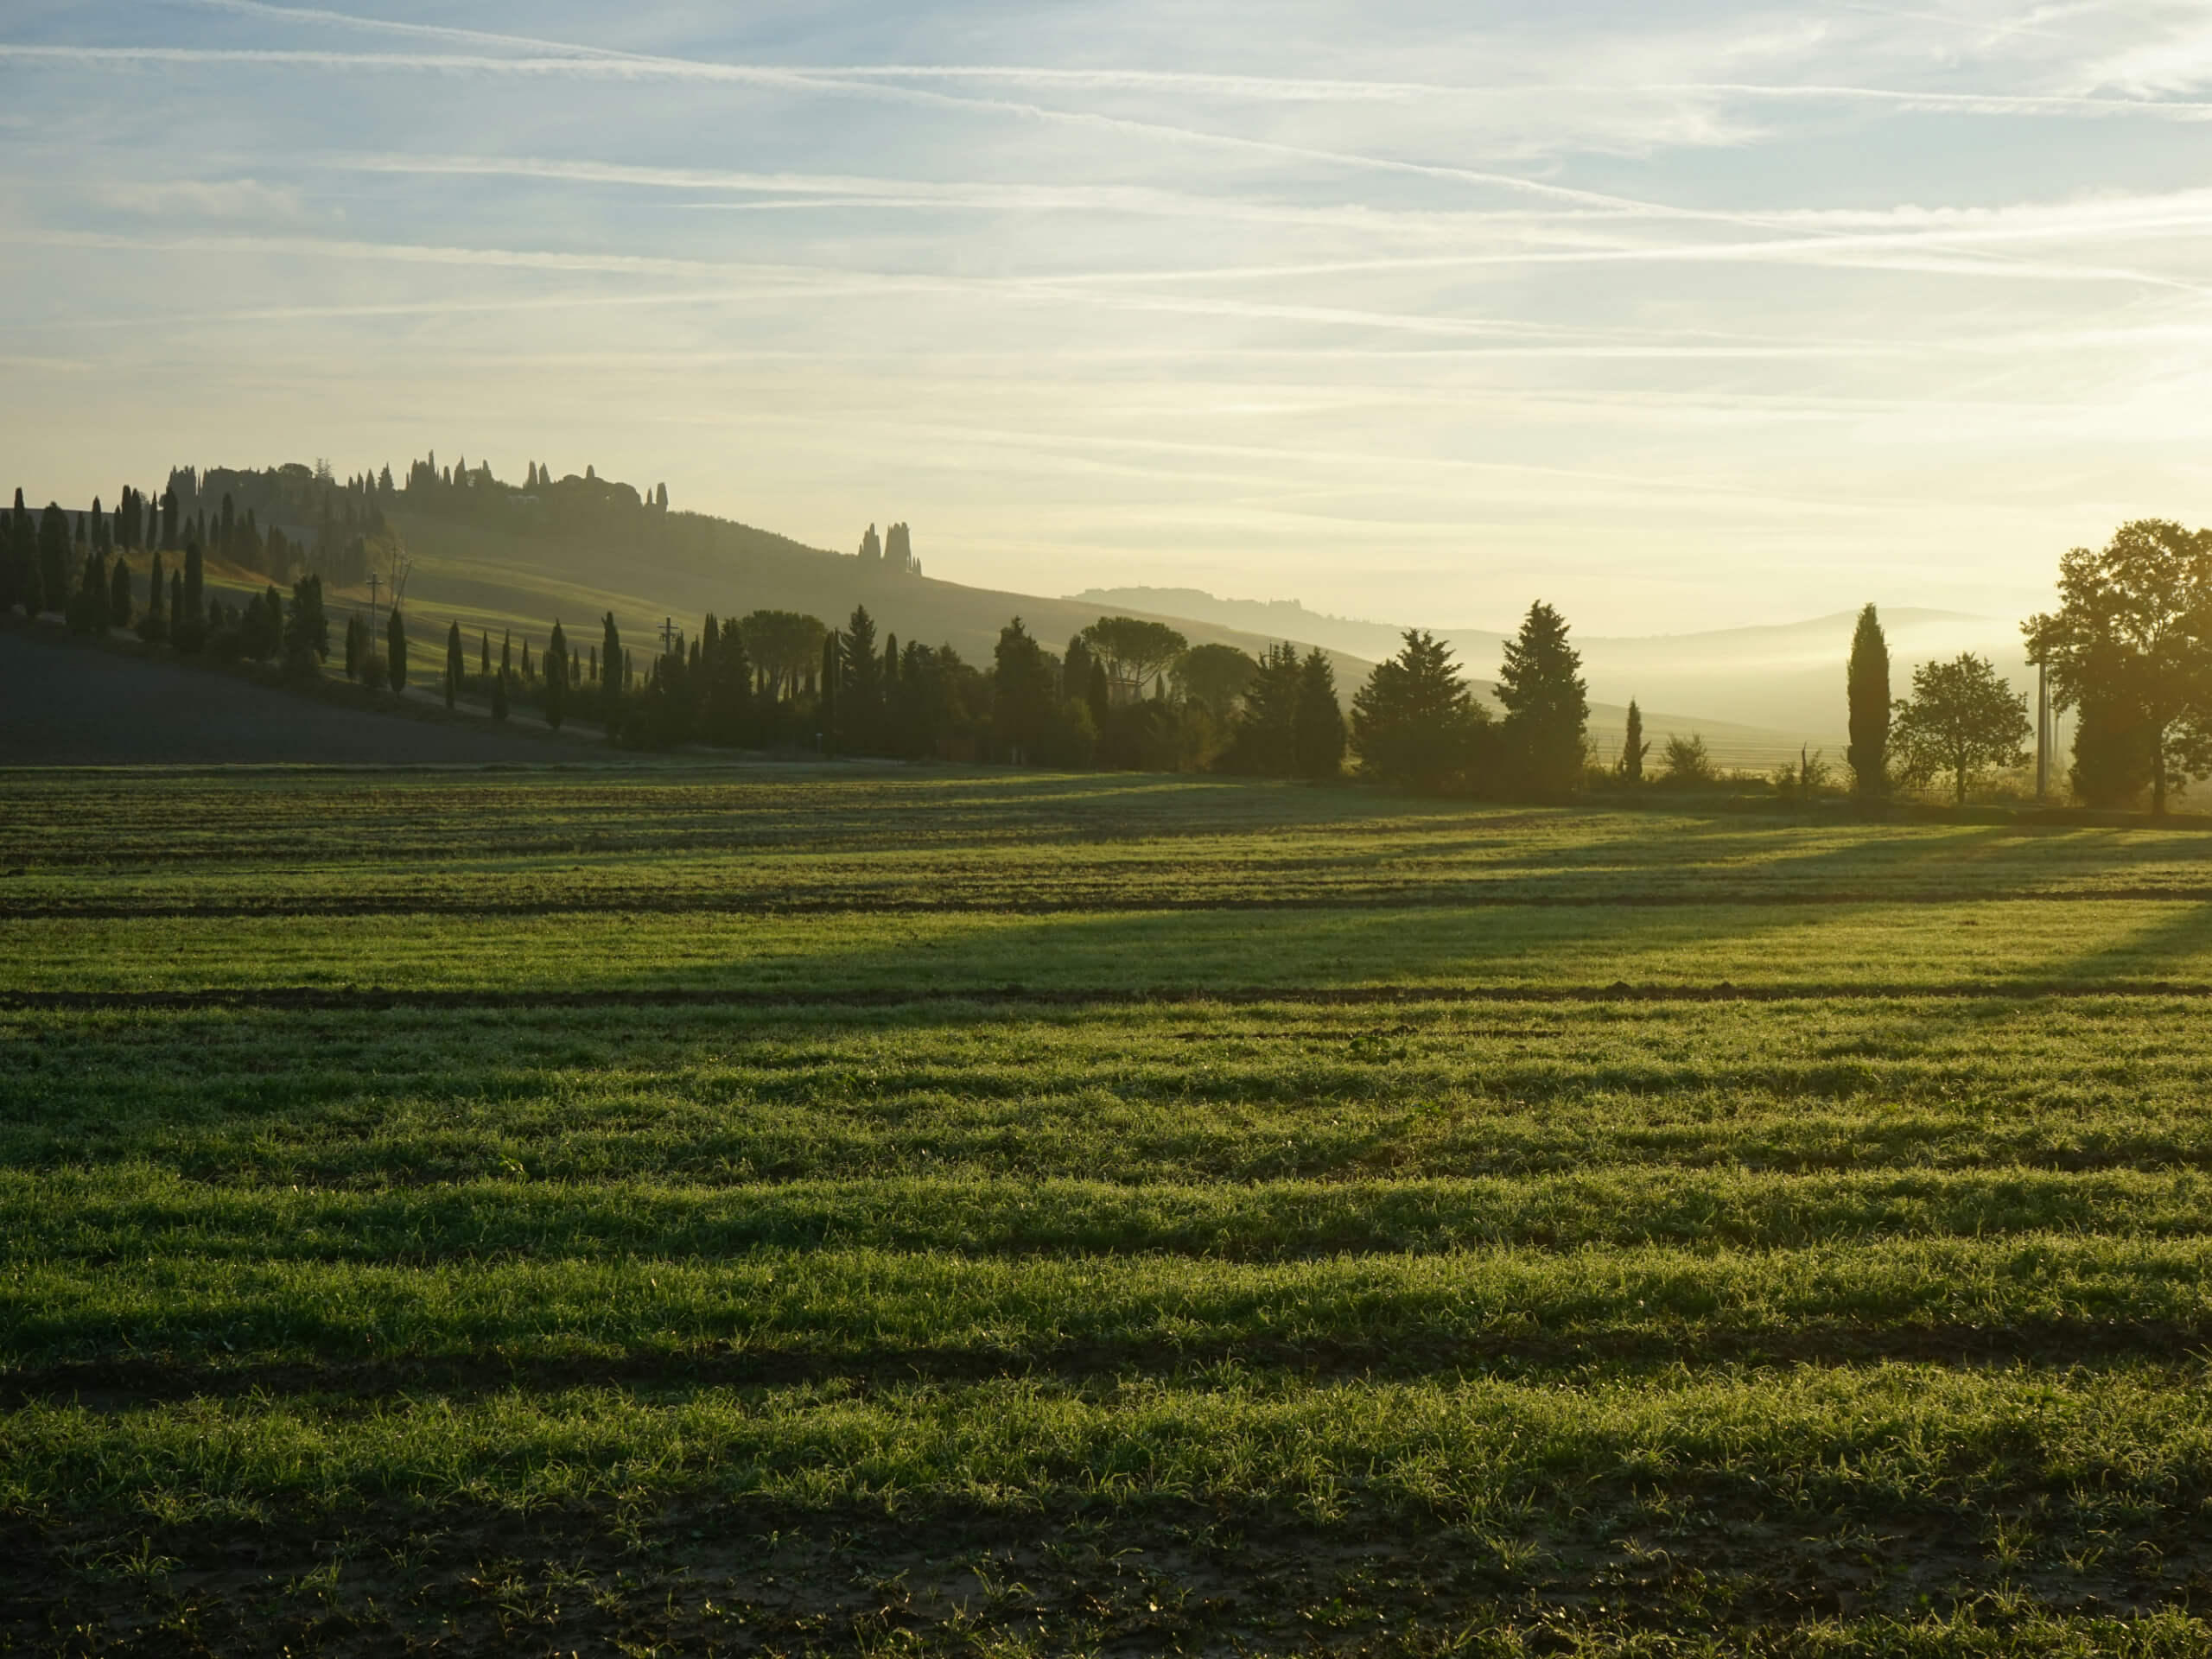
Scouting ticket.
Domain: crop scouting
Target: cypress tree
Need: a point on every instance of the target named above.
(53, 556)
(1099, 694)
(395, 653)
(500, 695)
(454, 661)
(557, 677)
(827, 711)
(155, 627)
(176, 601)
(1868, 688)
(88, 613)
(195, 581)
(484, 652)
(1635, 745)
(30, 581)
(11, 572)
(118, 594)
(506, 650)
(610, 675)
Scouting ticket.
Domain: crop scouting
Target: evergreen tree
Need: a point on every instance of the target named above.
(118, 594)
(1098, 694)
(1074, 672)
(168, 520)
(555, 698)
(1414, 723)
(1265, 739)
(507, 652)
(1318, 722)
(395, 653)
(1635, 746)
(499, 694)
(456, 663)
(826, 710)
(176, 601)
(484, 652)
(860, 701)
(1547, 711)
(1867, 684)
(1022, 703)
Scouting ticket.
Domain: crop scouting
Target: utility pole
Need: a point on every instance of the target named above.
(2042, 732)
(669, 635)
(375, 581)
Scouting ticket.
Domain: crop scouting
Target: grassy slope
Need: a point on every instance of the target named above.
(1809, 1320)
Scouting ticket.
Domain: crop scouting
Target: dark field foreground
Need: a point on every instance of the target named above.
(635, 1213)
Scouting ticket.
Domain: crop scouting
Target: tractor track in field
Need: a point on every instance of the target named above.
(340, 999)
(1100, 902)
(126, 1384)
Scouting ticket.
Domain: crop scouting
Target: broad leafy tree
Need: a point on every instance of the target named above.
(2132, 634)
(1960, 720)
(1211, 675)
(1135, 652)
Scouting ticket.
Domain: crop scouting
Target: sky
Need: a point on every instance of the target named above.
(1677, 317)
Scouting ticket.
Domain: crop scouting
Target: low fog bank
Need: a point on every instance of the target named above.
(1782, 680)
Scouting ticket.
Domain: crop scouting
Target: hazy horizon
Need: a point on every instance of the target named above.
(1733, 318)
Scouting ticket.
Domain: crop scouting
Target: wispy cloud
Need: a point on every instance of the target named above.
(204, 198)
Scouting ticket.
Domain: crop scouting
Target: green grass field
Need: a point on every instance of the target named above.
(891, 1212)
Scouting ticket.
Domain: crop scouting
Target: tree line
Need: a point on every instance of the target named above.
(2128, 649)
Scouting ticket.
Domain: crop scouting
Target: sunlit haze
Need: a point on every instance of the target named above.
(1678, 317)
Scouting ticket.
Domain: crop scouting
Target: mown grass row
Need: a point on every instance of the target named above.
(128, 844)
(2023, 945)
(1473, 866)
(124, 1213)
(877, 1308)
(1189, 1094)
(1895, 1441)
